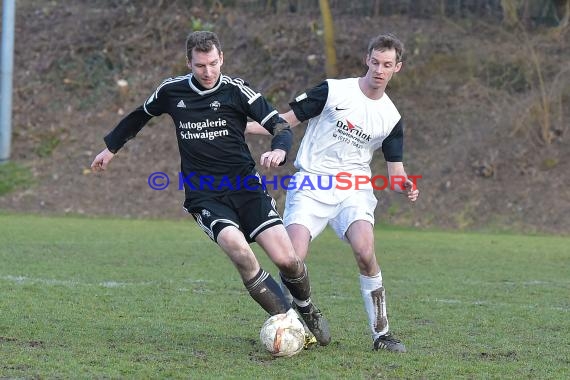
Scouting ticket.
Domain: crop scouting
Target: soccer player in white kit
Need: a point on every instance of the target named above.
(348, 120)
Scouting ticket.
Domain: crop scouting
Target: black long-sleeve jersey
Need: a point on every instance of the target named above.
(210, 129)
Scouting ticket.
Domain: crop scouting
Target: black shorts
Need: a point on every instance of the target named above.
(252, 212)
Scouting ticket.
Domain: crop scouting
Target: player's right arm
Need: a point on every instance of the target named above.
(290, 118)
(128, 128)
(100, 162)
(307, 105)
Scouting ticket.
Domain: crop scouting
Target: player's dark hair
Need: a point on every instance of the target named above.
(386, 42)
(203, 41)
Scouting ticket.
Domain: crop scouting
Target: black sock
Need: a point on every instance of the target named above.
(267, 293)
(299, 287)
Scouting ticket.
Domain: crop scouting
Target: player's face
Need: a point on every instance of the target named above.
(206, 66)
(381, 66)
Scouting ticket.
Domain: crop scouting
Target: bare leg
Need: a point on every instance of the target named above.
(300, 237)
(261, 286)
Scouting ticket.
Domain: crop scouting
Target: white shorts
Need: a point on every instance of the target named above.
(302, 209)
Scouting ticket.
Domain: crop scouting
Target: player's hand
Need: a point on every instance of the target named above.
(411, 190)
(272, 158)
(100, 162)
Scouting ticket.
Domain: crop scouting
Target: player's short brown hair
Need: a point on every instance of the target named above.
(202, 41)
(386, 42)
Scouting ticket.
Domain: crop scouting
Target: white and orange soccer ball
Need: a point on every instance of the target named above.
(283, 334)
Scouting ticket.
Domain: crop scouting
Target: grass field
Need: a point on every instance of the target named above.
(137, 299)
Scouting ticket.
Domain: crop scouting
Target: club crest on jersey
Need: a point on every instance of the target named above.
(215, 105)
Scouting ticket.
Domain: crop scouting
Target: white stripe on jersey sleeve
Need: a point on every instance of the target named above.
(268, 117)
(239, 83)
(154, 95)
(149, 100)
(254, 97)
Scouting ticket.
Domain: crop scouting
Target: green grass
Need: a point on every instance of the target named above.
(12, 176)
(138, 299)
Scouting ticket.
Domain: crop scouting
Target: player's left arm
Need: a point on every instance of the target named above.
(254, 128)
(280, 144)
(393, 149)
(267, 118)
(400, 182)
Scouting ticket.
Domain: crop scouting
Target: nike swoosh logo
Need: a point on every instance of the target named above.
(340, 109)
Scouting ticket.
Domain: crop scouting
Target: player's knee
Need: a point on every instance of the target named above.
(242, 256)
(366, 260)
(290, 265)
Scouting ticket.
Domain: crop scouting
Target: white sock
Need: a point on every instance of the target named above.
(302, 304)
(375, 304)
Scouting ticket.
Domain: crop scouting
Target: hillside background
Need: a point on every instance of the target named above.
(484, 98)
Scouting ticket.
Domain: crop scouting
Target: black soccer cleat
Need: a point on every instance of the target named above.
(390, 343)
(316, 323)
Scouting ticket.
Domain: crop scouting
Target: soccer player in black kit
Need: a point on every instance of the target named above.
(223, 190)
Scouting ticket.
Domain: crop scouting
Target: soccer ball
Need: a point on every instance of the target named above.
(283, 334)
